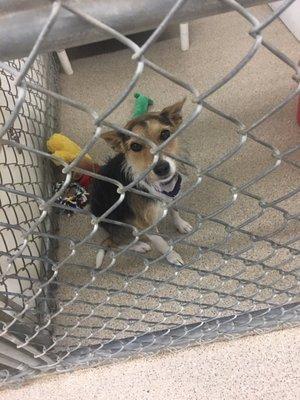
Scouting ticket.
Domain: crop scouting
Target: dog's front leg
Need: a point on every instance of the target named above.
(163, 247)
(181, 225)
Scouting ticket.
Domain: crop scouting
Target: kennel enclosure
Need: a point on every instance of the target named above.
(58, 311)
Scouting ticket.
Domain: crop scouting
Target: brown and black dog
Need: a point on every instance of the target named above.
(132, 159)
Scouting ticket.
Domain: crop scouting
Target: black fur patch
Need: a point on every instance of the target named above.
(104, 194)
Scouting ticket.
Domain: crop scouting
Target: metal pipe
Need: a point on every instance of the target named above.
(8, 350)
(21, 21)
(182, 335)
(11, 363)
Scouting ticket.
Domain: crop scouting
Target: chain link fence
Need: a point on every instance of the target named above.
(58, 310)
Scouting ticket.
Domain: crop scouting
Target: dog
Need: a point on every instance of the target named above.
(132, 158)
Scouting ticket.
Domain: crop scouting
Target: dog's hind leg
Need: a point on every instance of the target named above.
(108, 242)
(99, 258)
(140, 247)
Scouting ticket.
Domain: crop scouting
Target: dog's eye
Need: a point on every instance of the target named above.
(165, 134)
(136, 147)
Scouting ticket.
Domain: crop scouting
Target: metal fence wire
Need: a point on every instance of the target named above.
(58, 310)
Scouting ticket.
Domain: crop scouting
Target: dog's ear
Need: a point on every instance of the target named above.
(114, 140)
(172, 114)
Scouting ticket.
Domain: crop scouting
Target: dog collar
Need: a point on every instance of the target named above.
(85, 181)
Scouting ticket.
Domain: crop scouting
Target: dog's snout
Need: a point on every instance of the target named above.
(162, 168)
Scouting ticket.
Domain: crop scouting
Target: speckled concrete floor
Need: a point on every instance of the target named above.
(264, 367)
(217, 44)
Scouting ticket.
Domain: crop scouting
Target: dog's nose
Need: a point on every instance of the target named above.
(162, 168)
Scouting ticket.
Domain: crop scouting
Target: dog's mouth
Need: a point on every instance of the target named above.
(170, 186)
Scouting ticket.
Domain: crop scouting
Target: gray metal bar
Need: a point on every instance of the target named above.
(19, 355)
(29, 348)
(186, 334)
(21, 21)
(11, 363)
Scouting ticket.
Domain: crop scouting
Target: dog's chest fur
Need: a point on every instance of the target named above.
(135, 209)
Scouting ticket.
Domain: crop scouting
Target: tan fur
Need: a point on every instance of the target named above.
(147, 212)
(143, 159)
(150, 127)
(109, 242)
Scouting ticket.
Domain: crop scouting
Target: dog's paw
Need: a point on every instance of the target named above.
(140, 247)
(183, 226)
(99, 258)
(175, 258)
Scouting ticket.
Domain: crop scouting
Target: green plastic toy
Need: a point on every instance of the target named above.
(141, 104)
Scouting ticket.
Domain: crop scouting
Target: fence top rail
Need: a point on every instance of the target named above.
(21, 21)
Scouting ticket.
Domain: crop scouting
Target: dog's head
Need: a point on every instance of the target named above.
(157, 127)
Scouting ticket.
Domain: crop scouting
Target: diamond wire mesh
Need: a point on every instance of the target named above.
(223, 290)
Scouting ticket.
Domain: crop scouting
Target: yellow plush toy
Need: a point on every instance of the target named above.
(64, 148)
